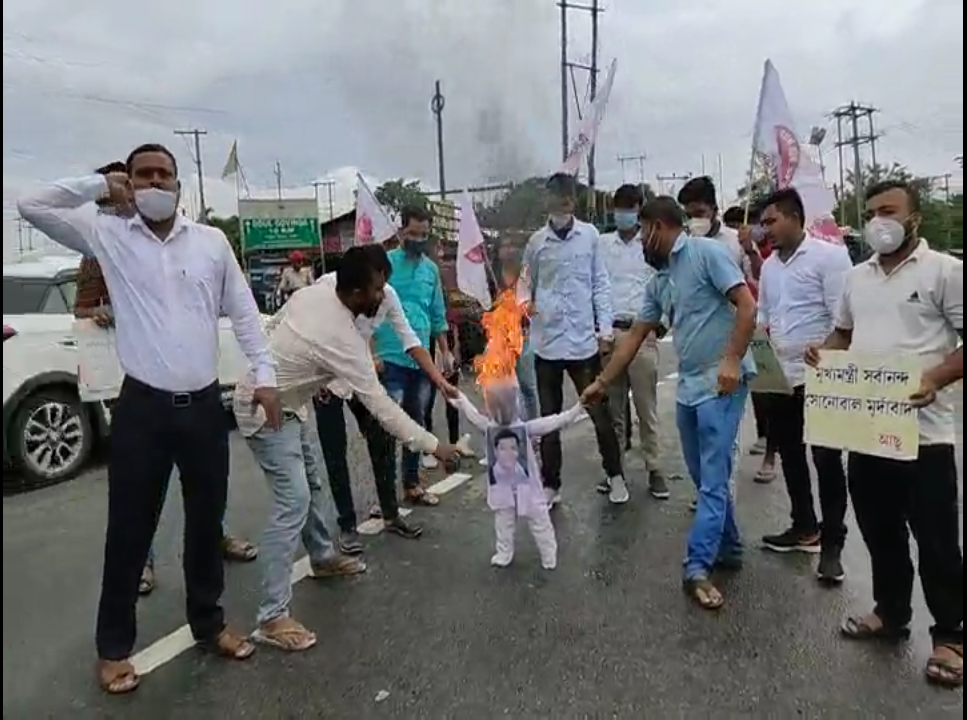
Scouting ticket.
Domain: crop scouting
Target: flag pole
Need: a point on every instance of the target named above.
(755, 132)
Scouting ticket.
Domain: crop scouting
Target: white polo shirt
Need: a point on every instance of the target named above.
(917, 309)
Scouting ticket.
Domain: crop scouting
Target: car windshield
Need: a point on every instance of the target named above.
(22, 297)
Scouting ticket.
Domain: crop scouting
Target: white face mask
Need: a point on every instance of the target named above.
(155, 204)
(884, 235)
(699, 227)
(559, 221)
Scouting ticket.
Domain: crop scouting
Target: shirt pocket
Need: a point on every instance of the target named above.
(199, 284)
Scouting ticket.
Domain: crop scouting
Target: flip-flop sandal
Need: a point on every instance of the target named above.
(766, 476)
(291, 639)
(704, 594)
(230, 646)
(146, 585)
(422, 497)
(342, 566)
(237, 550)
(947, 672)
(857, 627)
(121, 680)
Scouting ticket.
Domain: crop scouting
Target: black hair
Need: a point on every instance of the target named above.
(913, 194)
(356, 271)
(735, 215)
(698, 190)
(506, 434)
(150, 148)
(628, 197)
(787, 201)
(663, 209)
(112, 167)
(562, 185)
(414, 213)
(379, 258)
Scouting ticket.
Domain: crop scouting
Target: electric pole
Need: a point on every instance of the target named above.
(595, 10)
(197, 135)
(328, 184)
(850, 116)
(948, 220)
(640, 160)
(565, 119)
(672, 179)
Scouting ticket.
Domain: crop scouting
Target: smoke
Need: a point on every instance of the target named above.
(497, 62)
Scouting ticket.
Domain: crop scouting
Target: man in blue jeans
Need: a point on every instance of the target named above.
(416, 280)
(714, 318)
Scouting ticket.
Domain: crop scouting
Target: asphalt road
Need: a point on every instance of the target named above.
(432, 631)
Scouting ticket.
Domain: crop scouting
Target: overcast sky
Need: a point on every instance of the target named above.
(325, 87)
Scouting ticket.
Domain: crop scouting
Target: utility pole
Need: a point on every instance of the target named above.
(436, 105)
(948, 220)
(640, 160)
(595, 10)
(329, 185)
(595, 41)
(565, 119)
(278, 179)
(673, 178)
(851, 115)
(197, 134)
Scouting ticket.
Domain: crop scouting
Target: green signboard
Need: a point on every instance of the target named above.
(260, 234)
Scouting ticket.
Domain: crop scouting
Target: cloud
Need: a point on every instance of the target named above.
(348, 83)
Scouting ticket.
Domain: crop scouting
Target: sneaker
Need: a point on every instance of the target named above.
(429, 462)
(830, 570)
(793, 541)
(619, 494)
(603, 487)
(483, 462)
(349, 543)
(553, 497)
(502, 560)
(402, 528)
(658, 486)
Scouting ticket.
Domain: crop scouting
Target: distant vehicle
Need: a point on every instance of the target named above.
(48, 433)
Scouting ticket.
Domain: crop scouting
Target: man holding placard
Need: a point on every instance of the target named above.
(908, 301)
(799, 291)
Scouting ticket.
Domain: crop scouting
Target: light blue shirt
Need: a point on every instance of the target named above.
(692, 291)
(571, 292)
(628, 272)
(417, 284)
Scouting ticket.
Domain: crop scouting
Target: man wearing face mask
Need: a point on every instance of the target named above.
(416, 280)
(713, 323)
(908, 300)
(169, 278)
(630, 275)
(799, 293)
(571, 327)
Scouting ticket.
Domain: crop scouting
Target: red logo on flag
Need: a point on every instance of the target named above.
(789, 151)
(825, 228)
(476, 255)
(364, 228)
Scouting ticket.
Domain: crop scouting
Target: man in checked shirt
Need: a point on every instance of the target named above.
(92, 301)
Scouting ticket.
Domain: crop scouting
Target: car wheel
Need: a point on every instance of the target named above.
(52, 437)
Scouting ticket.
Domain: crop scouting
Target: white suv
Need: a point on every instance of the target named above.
(48, 433)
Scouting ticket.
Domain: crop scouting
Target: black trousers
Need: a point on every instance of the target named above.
(152, 432)
(787, 430)
(331, 424)
(452, 414)
(550, 393)
(891, 499)
(762, 408)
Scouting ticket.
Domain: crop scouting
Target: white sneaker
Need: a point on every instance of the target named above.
(619, 491)
(430, 463)
(463, 447)
(553, 498)
(549, 564)
(482, 462)
(502, 560)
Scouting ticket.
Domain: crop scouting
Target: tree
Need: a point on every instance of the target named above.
(398, 194)
(232, 229)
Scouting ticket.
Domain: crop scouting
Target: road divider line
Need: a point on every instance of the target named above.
(169, 647)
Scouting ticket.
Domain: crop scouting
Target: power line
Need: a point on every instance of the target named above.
(197, 135)
(639, 159)
(850, 135)
(567, 69)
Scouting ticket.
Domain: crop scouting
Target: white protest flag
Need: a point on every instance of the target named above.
(777, 140)
(472, 255)
(589, 126)
(231, 163)
(372, 221)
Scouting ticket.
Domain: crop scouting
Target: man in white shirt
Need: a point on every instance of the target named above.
(168, 278)
(331, 419)
(799, 292)
(316, 343)
(908, 300)
(630, 274)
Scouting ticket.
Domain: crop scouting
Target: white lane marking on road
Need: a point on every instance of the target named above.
(171, 646)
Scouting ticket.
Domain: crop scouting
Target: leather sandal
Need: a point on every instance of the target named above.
(946, 667)
(230, 645)
(117, 677)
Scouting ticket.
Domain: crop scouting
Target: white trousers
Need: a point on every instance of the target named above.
(541, 527)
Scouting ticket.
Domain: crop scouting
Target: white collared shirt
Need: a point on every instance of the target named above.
(799, 298)
(629, 274)
(918, 309)
(167, 295)
(315, 342)
(730, 238)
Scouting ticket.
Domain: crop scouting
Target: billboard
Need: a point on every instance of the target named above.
(279, 224)
(446, 219)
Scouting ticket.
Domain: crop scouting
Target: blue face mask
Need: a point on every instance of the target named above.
(626, 220)
(415, 246)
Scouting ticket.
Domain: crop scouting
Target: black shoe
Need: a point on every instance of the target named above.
(830, 570)
(603, 487)
(349, 543)
(793, 541)
(403, 529)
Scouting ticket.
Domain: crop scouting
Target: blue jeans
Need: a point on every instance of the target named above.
(301, 506)
(527, 380)
(151, 556)
(708, 433)
(410, 389)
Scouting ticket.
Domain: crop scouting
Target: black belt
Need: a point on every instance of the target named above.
(177, 399)
(623, 324)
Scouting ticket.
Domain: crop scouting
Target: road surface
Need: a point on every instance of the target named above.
(432, 631)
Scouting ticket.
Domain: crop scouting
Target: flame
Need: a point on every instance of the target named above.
(505, 340)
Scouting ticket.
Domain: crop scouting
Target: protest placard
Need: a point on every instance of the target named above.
(770, 377)
(861, 402)
(99, 374)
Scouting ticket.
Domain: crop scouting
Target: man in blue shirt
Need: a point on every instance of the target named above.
(571, 327)
(416, 280)
(713, 322)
